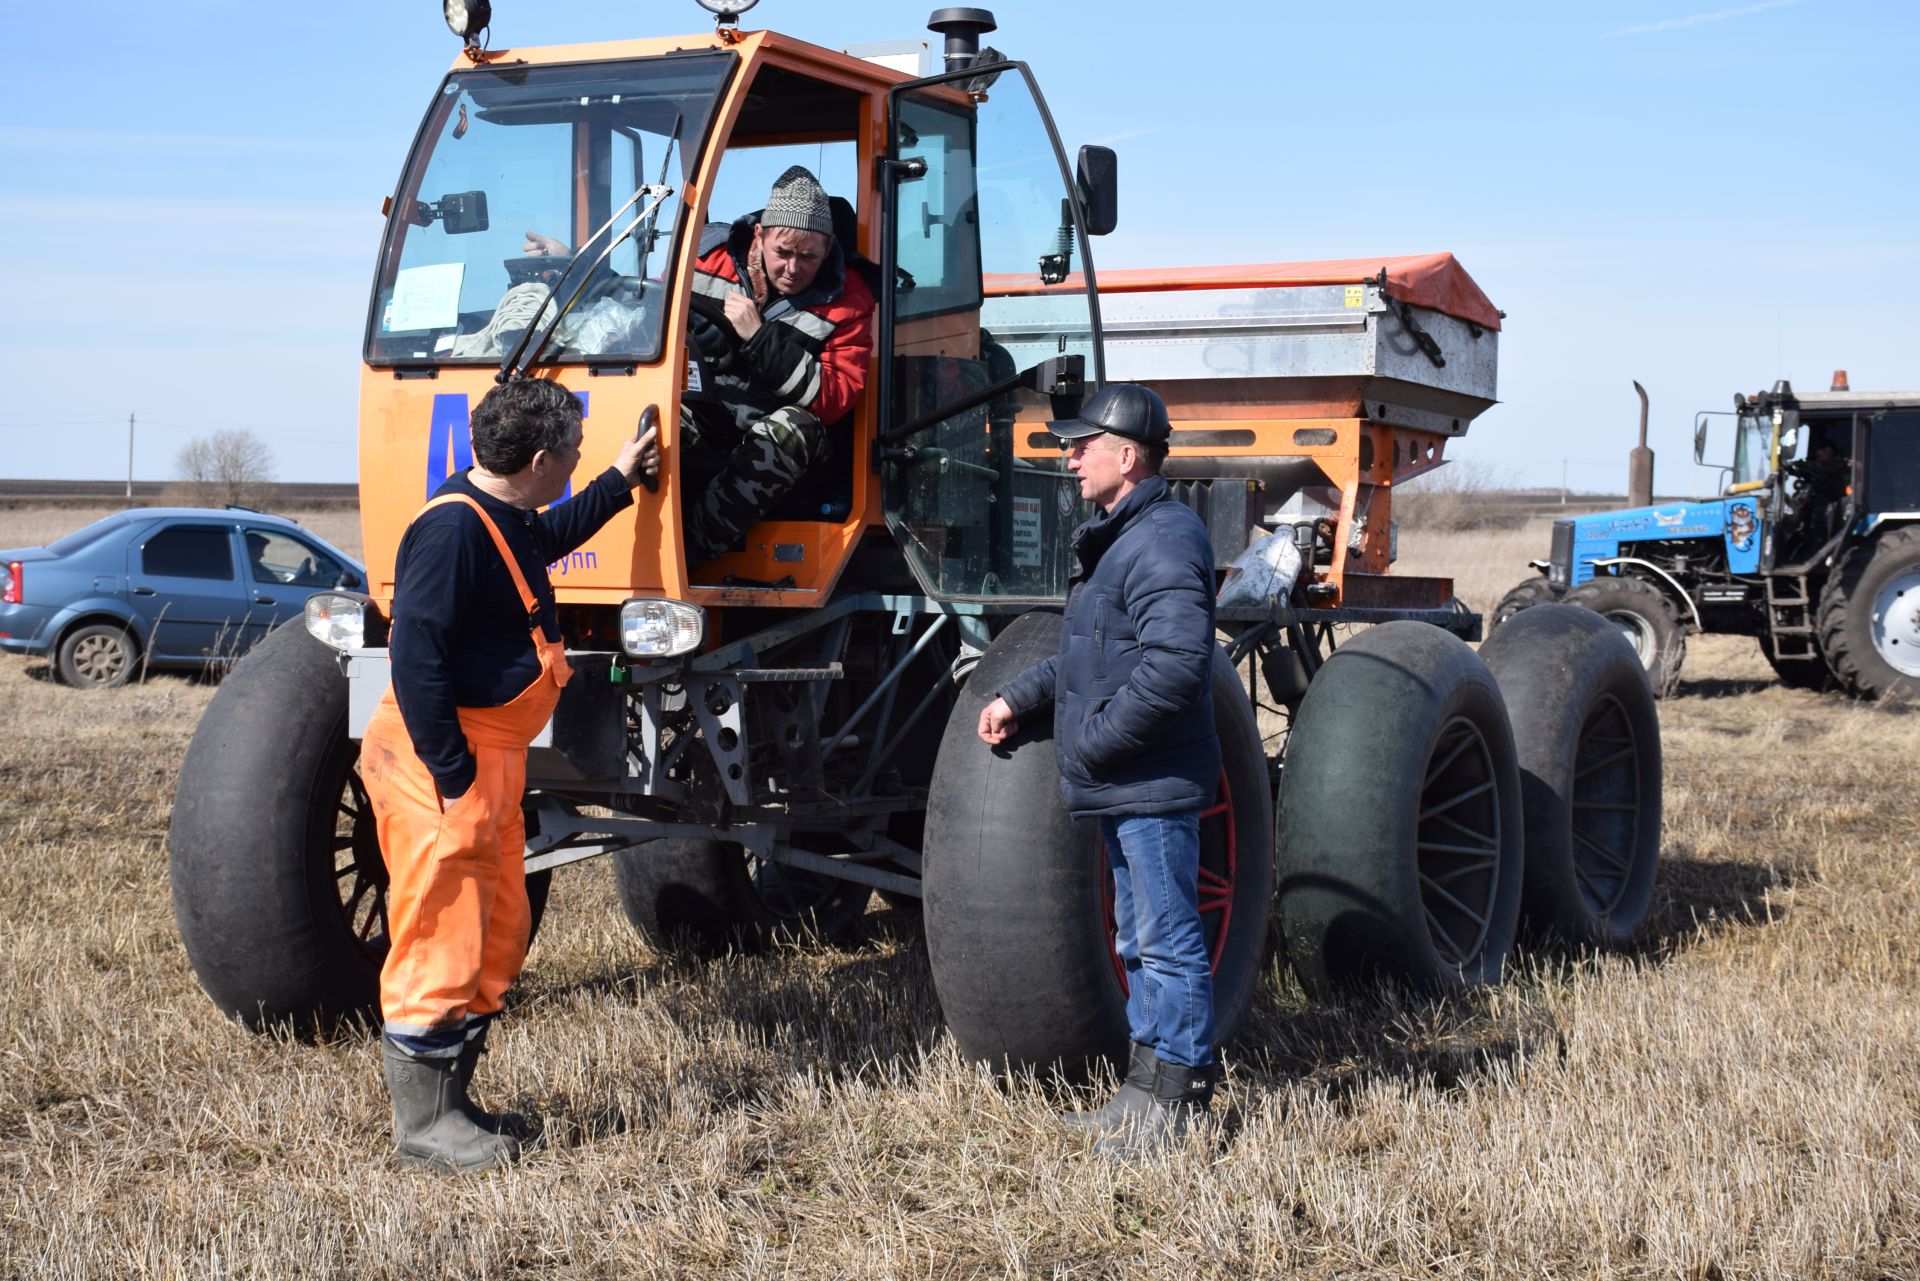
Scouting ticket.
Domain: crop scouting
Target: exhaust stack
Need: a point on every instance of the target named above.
(963, 29)
(1640, 461)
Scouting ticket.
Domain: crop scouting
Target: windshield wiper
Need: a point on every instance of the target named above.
(510, 367)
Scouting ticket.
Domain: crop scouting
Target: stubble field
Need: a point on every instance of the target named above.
(1735, 1097)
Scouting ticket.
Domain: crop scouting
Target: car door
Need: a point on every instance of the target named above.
(282, 570)
(181, 578)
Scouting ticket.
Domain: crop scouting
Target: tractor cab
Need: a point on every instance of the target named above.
(547, 223)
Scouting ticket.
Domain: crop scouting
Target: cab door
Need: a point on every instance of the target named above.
(989, 327)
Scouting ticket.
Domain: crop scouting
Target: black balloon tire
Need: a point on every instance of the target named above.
(67, 661)
(1588, 740)
(699, 896)
(1016, 903)
(1845, 620)
(1619, 596)
(1356, 878)
(282, 913)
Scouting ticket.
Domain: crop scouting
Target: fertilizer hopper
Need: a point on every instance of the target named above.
(1321, 384)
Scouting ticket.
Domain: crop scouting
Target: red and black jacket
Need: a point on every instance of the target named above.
(813, 349)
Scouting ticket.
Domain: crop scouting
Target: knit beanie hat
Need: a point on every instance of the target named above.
(798, 201)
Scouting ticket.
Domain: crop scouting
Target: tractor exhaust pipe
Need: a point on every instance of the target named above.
(963, 29)
(1640, 461)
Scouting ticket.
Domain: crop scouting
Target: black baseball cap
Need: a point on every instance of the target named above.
(1125, 409)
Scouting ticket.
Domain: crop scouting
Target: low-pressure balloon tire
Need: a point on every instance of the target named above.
(1019, 938)
(1400, 840)
(705, 896)
(279, 888)
(1588, 740)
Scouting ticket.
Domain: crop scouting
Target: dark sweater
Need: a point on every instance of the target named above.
(460, 635)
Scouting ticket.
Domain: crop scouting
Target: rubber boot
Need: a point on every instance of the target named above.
(430, 1123)
(493, 1122)
(1181, 1096)
(1132, 1099)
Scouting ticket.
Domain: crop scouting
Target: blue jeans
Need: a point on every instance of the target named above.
(1156, 863)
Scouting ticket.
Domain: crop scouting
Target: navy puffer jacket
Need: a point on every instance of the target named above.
(1132, 683)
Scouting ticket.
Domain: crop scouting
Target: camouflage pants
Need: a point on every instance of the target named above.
(760, 465)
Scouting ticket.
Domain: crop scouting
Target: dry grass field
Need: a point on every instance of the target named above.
(1737, 1097)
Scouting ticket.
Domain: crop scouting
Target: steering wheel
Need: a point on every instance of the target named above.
(712, 333)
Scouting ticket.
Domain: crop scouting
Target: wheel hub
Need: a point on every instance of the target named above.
(1896, 623)
(1457, 851)
(100, 659)
(1638, 631)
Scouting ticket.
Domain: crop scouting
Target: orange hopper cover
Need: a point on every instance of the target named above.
(1434, 281)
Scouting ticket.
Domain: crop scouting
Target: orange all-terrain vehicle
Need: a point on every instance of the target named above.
(762, 743)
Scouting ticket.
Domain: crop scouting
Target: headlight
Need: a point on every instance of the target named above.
(661, 628)
(338, 621)
(467, 18)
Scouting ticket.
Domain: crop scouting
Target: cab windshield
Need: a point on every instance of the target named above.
(1752, 447)
(514, 171)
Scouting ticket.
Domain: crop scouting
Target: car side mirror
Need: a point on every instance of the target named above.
(348, 579)
(1097, 175)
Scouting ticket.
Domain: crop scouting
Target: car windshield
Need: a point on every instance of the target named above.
(1753, 443)
(513, 158)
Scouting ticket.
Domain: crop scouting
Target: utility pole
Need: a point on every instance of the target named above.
(129, 457)
(1563, 482)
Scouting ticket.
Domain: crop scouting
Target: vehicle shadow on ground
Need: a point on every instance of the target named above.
(1695, 898)
(1720, 687)
(861, 1010)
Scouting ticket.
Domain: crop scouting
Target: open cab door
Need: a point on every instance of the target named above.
(989, 328)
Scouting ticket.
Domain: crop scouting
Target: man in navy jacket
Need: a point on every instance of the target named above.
(1133, 732)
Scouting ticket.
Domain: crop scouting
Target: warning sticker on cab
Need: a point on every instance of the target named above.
(1026, 532)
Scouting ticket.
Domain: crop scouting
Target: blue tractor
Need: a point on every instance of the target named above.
(1812, 547)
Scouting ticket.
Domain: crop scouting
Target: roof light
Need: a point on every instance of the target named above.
(1839, 381)
(727, 12)
(658, 628)
(468, 18)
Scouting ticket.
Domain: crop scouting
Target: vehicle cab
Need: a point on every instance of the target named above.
(953, 196)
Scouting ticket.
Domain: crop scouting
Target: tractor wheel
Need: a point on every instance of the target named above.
(1018, 899)
(279, 887)
(1588, 741)
(1535, 591)
(706, 896)
(1645, 618)
(97, 656)
(1400, 833)
(1870, 617)
(1797, 673)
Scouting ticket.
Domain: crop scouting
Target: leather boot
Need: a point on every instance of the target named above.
(1181, 1096)
(430, 1123)
(1132, 1099)
(493, 1122)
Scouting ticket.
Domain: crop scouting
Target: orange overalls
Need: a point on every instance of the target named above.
(457, 914)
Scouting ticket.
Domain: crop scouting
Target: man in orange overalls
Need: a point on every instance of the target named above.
(478, 664)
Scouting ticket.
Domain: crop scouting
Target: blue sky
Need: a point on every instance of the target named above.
(1706, 195)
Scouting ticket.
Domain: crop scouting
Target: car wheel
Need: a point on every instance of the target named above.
(97, 656)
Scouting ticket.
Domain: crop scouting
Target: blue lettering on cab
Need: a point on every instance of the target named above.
(450, 439)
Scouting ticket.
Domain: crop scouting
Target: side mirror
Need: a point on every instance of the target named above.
(1788, 439)
(1700, 439)
(463, 212)
(1097, 175)
(348, 580)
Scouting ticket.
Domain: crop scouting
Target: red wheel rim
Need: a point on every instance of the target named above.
(1219, 860)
